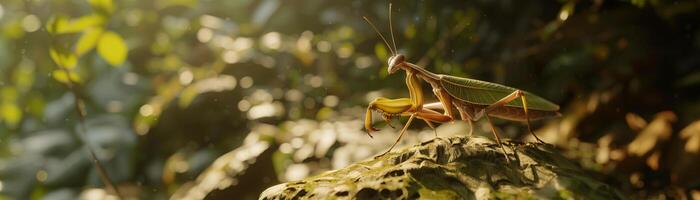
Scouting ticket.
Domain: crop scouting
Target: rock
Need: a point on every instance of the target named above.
(453, 168)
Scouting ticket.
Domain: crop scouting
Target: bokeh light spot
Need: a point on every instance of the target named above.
(230, 57)
(146, 110)
(345, 51)
(331, 100)
(293, 95)
(272, 40)
(244, 105)
(363, 62)
(42, 175)
(286, 148)
(323, 46)
(211, 21)
(563, 15)
(246, 82)
(315, 81)
(304, 42)
(130, 78)
(242, 43)
(31, 23)
(204, 35)
(186, 77)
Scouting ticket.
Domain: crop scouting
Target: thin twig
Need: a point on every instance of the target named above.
(81, 117)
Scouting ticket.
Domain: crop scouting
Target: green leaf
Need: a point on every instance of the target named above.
(23, 76)
(61, 76)
(187, 95)
(55, 23)
(381, 52)
(103, 6)
(63, 25)
(168, 3)
(35, 105)
(112, 48)
(62, 57)
(8, 94)
(11, 114)
(12, 29)
(280, 161)
(88, 41)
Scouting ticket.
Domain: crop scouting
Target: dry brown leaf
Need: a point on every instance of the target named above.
(603, 155)
(563, 129)
(658, 130)
(618, 154)
(692, 134)
(653, 160)
(636, 180)
(695, 194)
(635, 122)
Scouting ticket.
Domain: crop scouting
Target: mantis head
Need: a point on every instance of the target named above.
(395, 63)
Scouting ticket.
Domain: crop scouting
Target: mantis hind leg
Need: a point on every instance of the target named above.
(505, 100)
(527, 118)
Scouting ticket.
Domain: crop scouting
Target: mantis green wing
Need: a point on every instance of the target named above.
(486, 93)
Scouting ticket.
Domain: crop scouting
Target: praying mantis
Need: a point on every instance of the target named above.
(472, 99)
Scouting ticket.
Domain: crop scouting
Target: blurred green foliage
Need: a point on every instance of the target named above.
(168, 86)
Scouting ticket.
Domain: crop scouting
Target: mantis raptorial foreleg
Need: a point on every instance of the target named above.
(388, 107)
(506, 100)
(412, 106)
(387, 120)
(402, 107)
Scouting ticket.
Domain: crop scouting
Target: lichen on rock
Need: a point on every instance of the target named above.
(453, 168)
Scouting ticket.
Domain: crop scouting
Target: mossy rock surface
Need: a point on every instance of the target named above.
(453, 168)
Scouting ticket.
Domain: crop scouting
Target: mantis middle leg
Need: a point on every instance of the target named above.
(425, 114)
(464, 114)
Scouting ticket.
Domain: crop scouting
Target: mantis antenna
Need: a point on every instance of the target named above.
(391, 29)
(380, 35)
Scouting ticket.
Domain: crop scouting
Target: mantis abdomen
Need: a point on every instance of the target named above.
(486, 93)
(505, 112)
